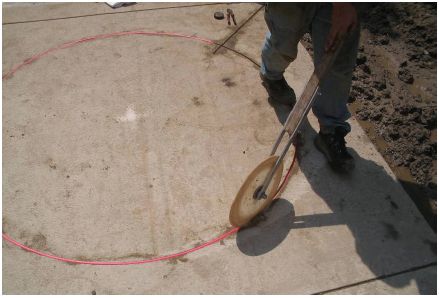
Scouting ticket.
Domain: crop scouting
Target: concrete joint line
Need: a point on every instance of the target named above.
(377, 278)
(236, 31)
(240, 54)
(110, 13)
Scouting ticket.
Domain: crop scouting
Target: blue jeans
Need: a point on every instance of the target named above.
(287, 23)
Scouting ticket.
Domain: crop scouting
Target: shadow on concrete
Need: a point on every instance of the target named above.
(422, 195)
(362, 201)
(282, 111)
(268, 230)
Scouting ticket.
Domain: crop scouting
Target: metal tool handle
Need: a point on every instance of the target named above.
(300, 110)
(302, 107)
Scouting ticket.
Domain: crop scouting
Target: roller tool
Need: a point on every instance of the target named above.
(261, 186)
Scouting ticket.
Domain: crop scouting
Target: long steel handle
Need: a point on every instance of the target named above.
(299, 112)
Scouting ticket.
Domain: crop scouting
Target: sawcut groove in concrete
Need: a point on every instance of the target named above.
(239, 53)
(414, 269)
(136, 147)
(130, 115)
(109, 13)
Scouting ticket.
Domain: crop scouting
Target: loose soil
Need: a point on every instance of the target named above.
(393, 93)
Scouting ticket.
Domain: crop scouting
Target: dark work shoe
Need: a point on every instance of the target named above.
(279, 91)
(333, 147)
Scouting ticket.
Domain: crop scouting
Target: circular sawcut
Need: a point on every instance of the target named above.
(246, 204)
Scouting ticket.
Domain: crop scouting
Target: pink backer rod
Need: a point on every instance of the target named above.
(160, 258)
(96, 37)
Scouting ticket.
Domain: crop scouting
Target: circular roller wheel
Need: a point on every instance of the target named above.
(245, 207)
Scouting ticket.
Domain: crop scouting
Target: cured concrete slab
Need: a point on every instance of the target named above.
(21, 41)
(32, 12)
(426, 284)
(133, 147)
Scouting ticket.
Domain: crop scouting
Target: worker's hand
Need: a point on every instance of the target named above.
(344, 19)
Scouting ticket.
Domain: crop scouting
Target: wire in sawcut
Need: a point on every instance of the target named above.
(70, 44)
(157, 259)
(120, 263)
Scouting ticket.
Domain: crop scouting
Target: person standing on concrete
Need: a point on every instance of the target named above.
(287, 23)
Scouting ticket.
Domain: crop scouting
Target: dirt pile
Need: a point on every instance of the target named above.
(394, 93)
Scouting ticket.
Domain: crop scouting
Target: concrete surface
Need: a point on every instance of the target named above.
(421, 281)
(33, 12)
(133, 147)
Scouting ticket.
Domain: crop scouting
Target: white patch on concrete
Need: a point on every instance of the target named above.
(130, 116)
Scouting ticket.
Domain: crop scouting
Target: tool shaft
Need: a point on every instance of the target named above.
(279, 139)
(299, 112)
(274, 168)
(233, 18)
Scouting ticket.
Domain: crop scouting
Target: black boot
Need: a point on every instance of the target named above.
(333, 147)
(279, 91)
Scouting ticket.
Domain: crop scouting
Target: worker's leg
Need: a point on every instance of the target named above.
(330, 104)
(287, 22)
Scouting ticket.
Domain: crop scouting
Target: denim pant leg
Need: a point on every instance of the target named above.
(287, 22)
(330, 104)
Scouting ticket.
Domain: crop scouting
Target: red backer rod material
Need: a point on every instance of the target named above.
(160, 258)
